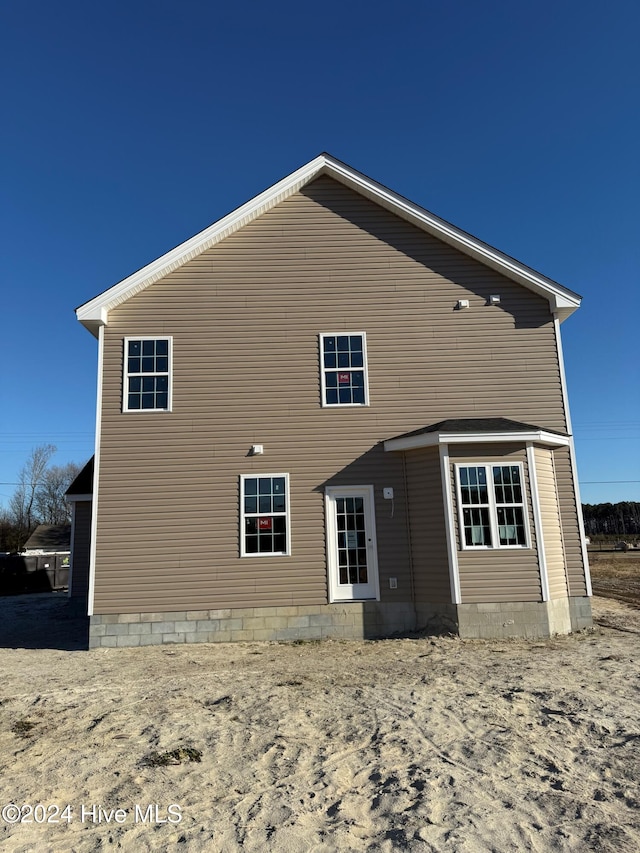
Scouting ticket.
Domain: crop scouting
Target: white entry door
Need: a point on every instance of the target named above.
(351, 543)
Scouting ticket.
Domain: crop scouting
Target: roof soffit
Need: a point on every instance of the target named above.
(95, 313)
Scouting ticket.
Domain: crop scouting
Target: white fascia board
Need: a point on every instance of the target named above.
(94, 319)
(411, 442)
(430, 439)
(75, 498)
(539, 436)
(561, 299)
(95, 312)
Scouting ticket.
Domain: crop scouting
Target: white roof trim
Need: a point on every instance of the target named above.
(431, 439)
(95, 313)
(73, 498)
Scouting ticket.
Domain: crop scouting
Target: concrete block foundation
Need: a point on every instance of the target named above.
(532, 619)
(349, 620)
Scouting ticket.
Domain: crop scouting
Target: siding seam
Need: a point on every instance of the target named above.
(72, 549)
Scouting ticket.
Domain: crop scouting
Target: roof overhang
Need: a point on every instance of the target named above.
(432, 439)
(95, 313)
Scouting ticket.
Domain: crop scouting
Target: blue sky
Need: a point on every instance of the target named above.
(129, 127)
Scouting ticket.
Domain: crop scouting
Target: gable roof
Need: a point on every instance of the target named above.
(95, 313)
(82, 487)
(49, 537)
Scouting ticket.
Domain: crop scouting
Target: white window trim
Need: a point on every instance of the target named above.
(493, 514)
(254, 475)
(323, 370)
(125, 374)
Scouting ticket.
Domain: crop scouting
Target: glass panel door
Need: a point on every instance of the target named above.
(351, 543)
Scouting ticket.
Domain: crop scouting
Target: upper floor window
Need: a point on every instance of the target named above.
(147, 374)
(344, 370)
(264, 505)
(491, 506)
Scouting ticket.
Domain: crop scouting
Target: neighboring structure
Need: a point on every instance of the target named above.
(80, 496)
(331, 414)
(49, 540)
(43, 563)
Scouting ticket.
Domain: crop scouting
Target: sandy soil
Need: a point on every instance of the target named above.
(428, 744)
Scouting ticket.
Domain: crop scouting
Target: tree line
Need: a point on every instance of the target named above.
(621, 519)
(39, 498)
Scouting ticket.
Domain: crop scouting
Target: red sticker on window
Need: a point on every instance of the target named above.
(264, 523)
(344, 378)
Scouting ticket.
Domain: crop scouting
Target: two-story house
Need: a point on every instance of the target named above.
(330, 414)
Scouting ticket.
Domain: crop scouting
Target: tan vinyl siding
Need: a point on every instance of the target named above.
(81, 548)
(245, 318)
(430, 558)
(551, 526)
(496, 574)
(569, 517)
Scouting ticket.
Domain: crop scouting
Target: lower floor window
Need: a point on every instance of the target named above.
(492, 508)
(264, 503)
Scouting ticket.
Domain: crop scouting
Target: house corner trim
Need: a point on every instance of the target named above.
(96, 475)
(537, 520)
(572, 459)
(454, 575)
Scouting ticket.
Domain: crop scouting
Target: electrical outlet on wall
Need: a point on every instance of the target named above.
(393, 583)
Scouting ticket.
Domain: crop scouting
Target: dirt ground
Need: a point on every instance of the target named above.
(425, 744)
(616, 574)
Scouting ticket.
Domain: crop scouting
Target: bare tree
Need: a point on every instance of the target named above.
(50, 504)
(22, 504)
(39, 497)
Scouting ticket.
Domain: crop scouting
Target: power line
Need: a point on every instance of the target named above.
(610, 438)
(61, 432)
(30, 483)
(592, 482)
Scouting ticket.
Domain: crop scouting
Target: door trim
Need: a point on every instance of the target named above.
(368, 492)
